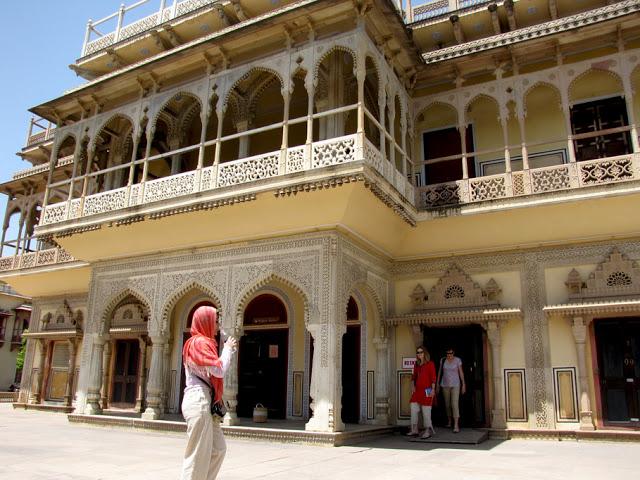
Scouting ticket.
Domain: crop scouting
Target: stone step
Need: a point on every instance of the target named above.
(466, 436)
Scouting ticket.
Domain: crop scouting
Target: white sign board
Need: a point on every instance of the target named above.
(408, 362)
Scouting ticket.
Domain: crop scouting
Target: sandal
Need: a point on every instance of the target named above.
(456, 430)
(426, 435)
(412, 434)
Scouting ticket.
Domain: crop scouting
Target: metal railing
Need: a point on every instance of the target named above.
(94, 40)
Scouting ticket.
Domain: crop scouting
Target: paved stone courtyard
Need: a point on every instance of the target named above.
(44, 446)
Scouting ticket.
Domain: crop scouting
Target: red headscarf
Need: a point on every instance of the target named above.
(201, 349)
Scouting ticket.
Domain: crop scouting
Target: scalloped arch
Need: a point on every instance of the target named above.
(161, 110)
(246, 75)
(590, 71)
(115, 300)
(333, 49)
(271, 278)
(365, 290)
(175, 296)
(478, 97)
(92, 141)
(436, 103)
(64, 139)
(541, 84)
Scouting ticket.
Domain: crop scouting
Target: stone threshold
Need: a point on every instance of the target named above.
(608, 435)
(43, 407)
(355, 434)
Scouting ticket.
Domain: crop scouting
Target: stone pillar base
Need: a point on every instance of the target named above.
(323, 420)
(586, 421)
(498, 419)
(93, 408)
(230, 419)
(151, 413)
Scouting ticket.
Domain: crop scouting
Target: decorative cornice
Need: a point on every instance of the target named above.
(589, 308)
(583, 19)
(390, 202)
(455, 316)
(76, 230)
(317, 185)
(204, 206)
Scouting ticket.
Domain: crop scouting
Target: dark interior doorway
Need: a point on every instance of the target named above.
(618, 345)
(262, 372)
(125, 373)
(445, 143)
(468, 343)
(351, 375)
(263, 358)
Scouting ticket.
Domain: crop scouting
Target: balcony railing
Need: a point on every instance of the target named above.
(122, 31)
(40, 130)
(27, 172)
(244, 171)
(40, 258)
(530, 182)
(417, 10)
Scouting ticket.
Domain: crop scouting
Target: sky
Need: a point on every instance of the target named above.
(43, 38)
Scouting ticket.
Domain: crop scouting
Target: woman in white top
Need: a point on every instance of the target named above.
(451, 380)
(204, 371)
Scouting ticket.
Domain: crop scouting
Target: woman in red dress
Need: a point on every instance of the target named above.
(424, 389)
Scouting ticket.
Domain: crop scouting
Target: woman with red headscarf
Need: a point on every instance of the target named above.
(204, 371)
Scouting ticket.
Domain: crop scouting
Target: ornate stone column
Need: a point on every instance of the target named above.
(106, 374)
(154, 385)
(142, 374)
(230, 395)
(166, 384)
(69, 393)
(579, 329)
(95, 377)
(462, 129)
(326, 388)
(382, 381)
(498, 418)
(36, 396)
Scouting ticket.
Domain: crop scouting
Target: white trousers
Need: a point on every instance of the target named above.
(426, 416)
(205, 443)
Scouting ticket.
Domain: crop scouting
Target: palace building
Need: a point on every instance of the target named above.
(344, 180)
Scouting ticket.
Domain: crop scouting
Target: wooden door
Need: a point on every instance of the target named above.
(618, 344)
(125, 373)
(443, 143)
(600, 115)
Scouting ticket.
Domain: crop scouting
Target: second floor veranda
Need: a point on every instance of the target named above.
(332, 103)
(518, 137)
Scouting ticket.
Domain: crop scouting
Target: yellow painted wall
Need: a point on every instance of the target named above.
(512, 349)
(544, 121)
(595, 83)
(561, 343)
(52, 282)
(405, 346)
(483, 114)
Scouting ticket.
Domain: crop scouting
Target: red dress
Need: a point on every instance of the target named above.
(424, 376)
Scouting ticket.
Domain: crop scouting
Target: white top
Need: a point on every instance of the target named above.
(450, 375)
(192, 372)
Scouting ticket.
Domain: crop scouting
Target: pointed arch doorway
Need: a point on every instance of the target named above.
(351, 365)
(263, 357)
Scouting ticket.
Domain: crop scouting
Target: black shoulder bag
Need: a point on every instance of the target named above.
(217, 409)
